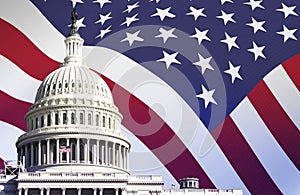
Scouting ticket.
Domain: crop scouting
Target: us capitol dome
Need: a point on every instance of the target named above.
(74, 145)
(74, 120)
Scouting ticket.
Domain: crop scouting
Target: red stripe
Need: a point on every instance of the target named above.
(145, 124)
(292, 67)
(243, 159)
(277, 121)
(20, 50)
(13, 110)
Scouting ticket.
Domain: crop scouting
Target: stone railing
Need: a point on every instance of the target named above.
(143, 178)
(72, 175)
(201, 191)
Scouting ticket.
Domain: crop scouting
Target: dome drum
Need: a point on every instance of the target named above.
(57, 149)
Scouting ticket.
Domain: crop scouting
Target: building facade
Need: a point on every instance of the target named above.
(74, 145)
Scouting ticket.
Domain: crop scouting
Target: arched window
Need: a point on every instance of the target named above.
(36, 122)
(56, 119)
(89, 119)
(42, 121)
(109, 123)
(81, 118)
(64, 118)
(97, 119)
(103, 121)
(48, 120)
(72, 118)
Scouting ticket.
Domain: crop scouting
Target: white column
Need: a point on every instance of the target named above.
(127, 159)
(63, 190)
(94, 146)
(77, 150)
(48, 151)
(48, 191)
(20, 191)
(32, 154)
(106, 152)
(120, 156)
(123, 158)
(116, 191)
(95, 191)
(114, 154)
(26, 191)
(57, 151)
(68, 153)
(88, 148)
(41, 191)
(100, 191)
(26, 156)
(79, 191)
(39, 153)
(102, 153)
(97, 151)
(124, 191)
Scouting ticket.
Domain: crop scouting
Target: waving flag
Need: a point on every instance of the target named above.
(207, 89)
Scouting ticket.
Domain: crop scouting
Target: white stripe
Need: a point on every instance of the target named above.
(285, 92)
(8, 149)
(270, 154)
(16, 82)
(119, 66)
(27, 18)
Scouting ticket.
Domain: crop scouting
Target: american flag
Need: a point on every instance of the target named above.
(207, 89)
(65, 149)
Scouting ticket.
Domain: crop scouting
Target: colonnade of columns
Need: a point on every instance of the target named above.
(66, 191)
(74, 150)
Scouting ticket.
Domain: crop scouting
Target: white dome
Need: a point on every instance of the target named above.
(74, 82)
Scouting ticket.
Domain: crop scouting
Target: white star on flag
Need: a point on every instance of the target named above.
(104, 32)
(169, 59)
(166, 34)
(131, 7)
(226, 17)
(287, 10)
(255, 4)
(257, 25)
(230, 41)
(207, 96)
(204, 63)
(287, 33)
(200, 35)
(162, 13)
(233, 71)
(129, 20)
(103, 18)
(131, 37)
(257, 51)
(196, 12)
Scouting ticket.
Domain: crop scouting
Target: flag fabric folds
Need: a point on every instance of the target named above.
(207, 89)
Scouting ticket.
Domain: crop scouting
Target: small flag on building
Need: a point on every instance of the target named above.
(64, 149)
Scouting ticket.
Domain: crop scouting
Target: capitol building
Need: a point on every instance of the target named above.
(74, 145)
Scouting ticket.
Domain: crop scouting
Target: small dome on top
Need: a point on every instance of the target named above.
(74, 82)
